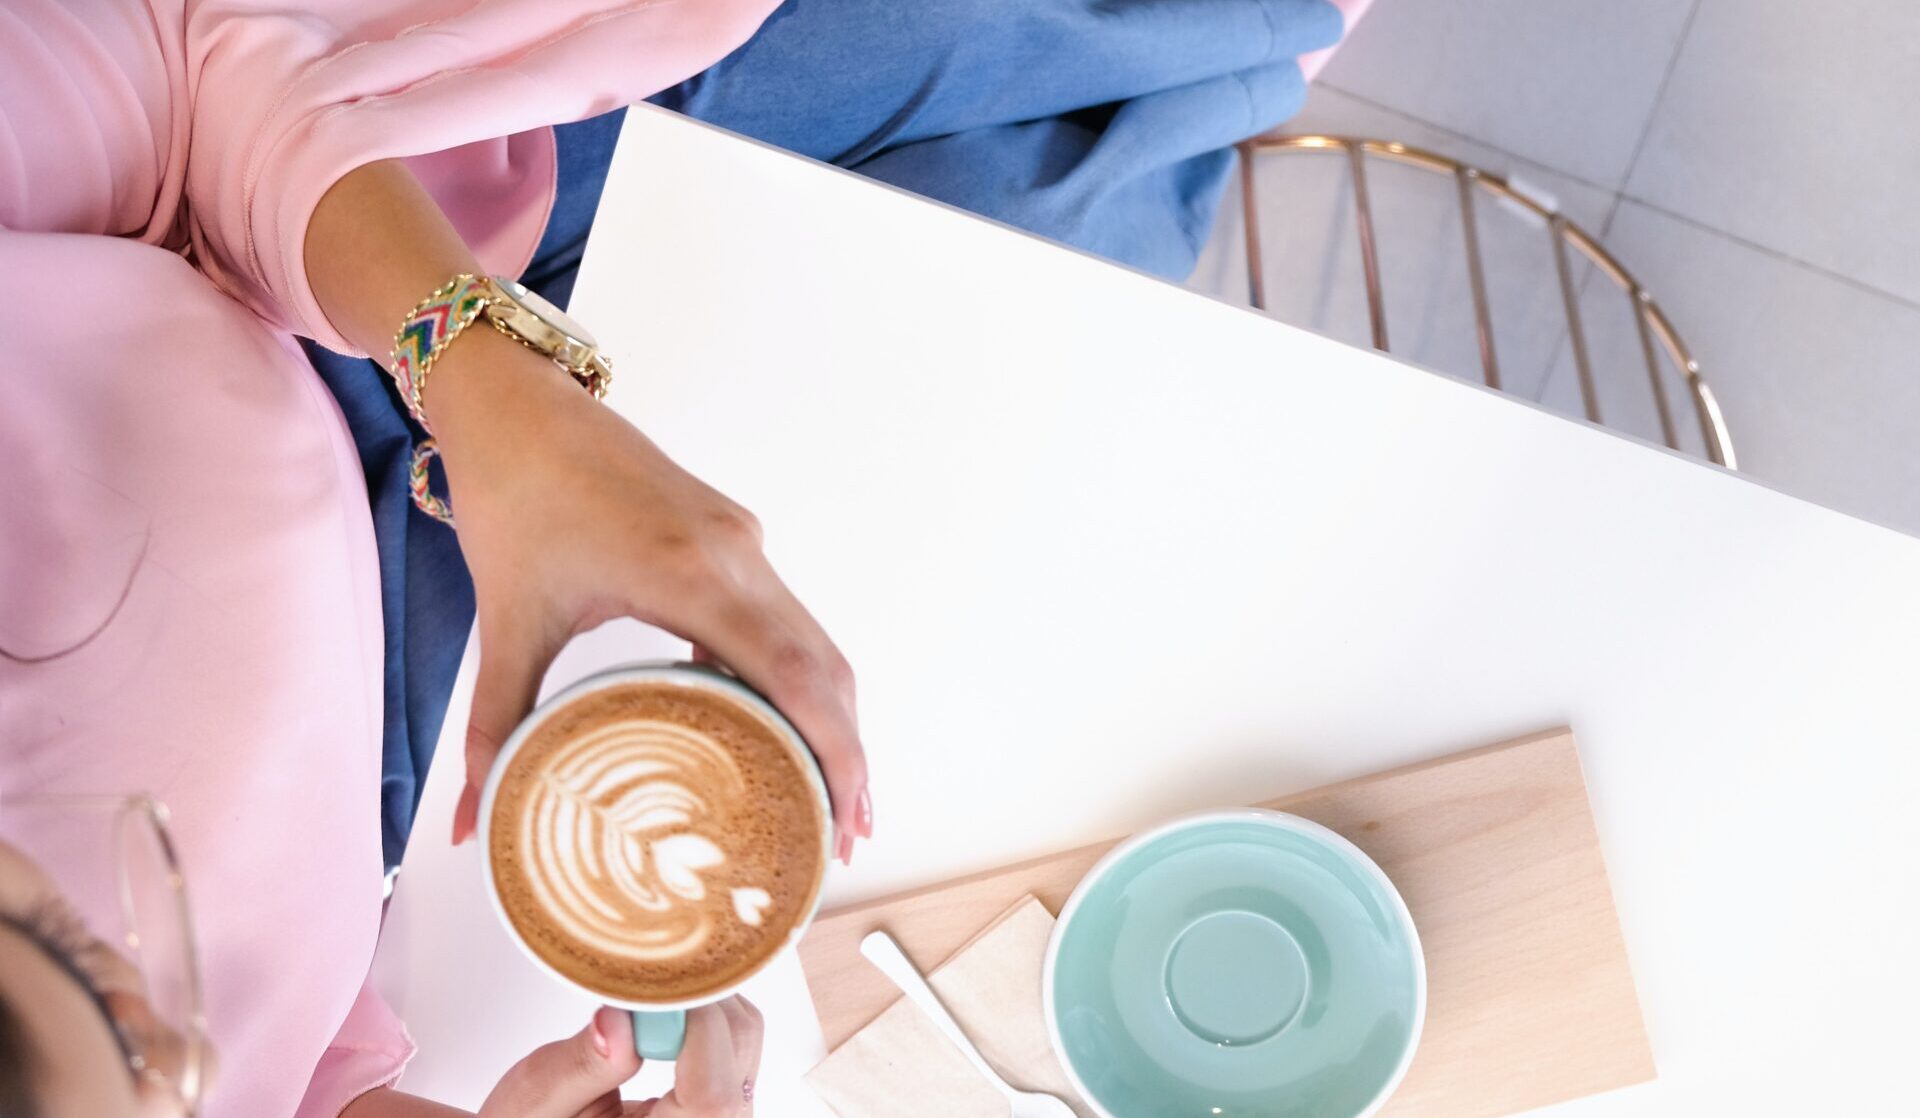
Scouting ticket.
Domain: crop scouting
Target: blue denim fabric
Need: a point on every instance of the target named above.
(426, 595)
(1105, 124)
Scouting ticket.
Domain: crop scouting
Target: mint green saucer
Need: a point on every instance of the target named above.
(1235, 964)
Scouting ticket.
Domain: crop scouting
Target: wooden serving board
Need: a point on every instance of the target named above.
(1530, 1000)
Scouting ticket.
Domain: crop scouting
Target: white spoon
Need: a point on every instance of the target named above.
(883, 952)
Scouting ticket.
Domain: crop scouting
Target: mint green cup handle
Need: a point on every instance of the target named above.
(659, 1035)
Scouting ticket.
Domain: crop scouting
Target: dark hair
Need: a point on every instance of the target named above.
(17, 1066)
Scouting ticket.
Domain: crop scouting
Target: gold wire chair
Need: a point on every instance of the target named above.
(1652, 323)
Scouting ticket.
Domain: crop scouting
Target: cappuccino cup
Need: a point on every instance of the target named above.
(656, 835)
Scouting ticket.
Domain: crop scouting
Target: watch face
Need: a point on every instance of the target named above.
(548, 313)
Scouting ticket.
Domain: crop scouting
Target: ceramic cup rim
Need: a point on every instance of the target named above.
(700, 677)
(1266, 817)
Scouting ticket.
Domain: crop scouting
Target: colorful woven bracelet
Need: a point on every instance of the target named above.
(423, 496)
(426, 333)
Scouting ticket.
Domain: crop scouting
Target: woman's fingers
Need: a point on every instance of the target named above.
(749, 1031)
(707, 1082)
(571, 1076)
(853, 814)
(754, 626)
(809, 682)
(513, 659)
(802, 622)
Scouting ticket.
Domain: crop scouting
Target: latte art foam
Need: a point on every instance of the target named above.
(651, 839)
(609, 828)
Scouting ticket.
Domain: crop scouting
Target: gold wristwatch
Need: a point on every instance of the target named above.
(547, 330)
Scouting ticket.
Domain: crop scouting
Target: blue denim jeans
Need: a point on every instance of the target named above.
(1104, 124)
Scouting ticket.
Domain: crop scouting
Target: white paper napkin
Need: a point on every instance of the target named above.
(902, 1064)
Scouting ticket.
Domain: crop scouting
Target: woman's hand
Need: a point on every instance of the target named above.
(580, 1077)
(569, 516)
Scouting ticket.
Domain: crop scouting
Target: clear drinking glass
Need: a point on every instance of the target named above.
(114, 859)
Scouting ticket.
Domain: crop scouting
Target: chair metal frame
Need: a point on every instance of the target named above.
(1654, 327)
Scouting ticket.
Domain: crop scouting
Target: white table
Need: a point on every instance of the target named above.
(1102, 550)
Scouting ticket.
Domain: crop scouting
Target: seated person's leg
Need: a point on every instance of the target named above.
(1102, 125)
(1138, 182)
(840, 80)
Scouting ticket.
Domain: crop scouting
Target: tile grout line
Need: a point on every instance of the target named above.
(1861, 286)
(1464, 138)
(1620, 193)
(1653, 111)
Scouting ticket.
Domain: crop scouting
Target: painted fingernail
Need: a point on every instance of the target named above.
(466, 815)
(863, 814)
(845, 850)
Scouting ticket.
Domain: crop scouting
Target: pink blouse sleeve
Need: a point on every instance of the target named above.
(288, 98)
(370, 1050)
(222, 122)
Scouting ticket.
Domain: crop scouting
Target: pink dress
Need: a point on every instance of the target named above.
(180, 504)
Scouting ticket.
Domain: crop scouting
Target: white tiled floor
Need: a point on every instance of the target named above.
(1750, 160)
(1516, 73)
(1820, 380)
(1793, 125)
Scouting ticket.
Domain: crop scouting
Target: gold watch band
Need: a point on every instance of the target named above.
(516, 312)
(433, 324)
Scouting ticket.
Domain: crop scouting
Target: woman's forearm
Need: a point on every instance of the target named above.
(377, 245)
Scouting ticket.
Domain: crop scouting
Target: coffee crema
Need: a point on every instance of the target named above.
(655, 842)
